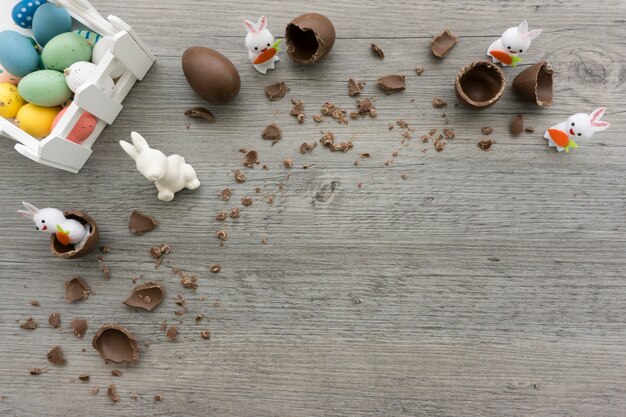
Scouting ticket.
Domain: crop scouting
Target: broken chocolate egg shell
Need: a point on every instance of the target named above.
(147, 296)
(479, 85)
(71, 251)
(309, 38)
(115, 343)
(534, 84)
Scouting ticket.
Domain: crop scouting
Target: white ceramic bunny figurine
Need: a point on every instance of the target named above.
(262, 50)
(169, 173)
(580, 125)
(513, 42)
(53, 221)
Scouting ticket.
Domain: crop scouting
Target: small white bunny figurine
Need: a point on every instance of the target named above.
(262, 50)
(514, 41)
(580, 125)
(53, 221)
(170, 174)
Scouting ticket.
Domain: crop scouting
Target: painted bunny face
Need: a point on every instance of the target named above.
(517, 39)
(259, 38)
(583, 125)
(48, 219)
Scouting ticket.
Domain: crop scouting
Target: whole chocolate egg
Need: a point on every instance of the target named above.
(211, 74)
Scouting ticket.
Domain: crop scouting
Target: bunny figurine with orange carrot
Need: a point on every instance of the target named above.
(53, 221)
(580, 125)
(513, 42)
(262, 50)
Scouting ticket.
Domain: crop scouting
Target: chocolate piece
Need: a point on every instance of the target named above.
(317, 118)
(94, 390)
(234, 213)
(487, 130)
(328, 141)
(29, 324)
(221, 216)
(366, 106)
(205, 334)
(391, 83)
(84, 377)
(226, 194)
(419, 70)
(246, 201)
(105, 249)
(36, 371)
(298, 109)
(116, 344)
(376, 49)
(517, 124)
(534, 84)
(140, 223)
(79, 326)
(210, 74)
(189, 281)
(200, 113)
(172, 333)
(147, 296)
(76, 289)
(309, 38)
(251, 158)
(199, 317)
(439, 143)
(71, 251)
(479, 85)
(222, 235)
(529, 129)
(56, 356)
(272, 132)
(307, 147)
(35, 303)
(486, 144)
(441, 44)
(439, 103)
(55, 320)
(158, 397)
(449, 133)
(355, 87)
(215, 268)
(116, 372)
(276, 91)
(240, 177)
(112, 393)
(264, 241)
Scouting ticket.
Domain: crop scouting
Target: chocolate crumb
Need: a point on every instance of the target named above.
(439, 102)
(55, 320)
(234, 213)
(163, 325)
(307, 147)
(328, 141)
(365, 107)
(246, 201)
(257, 190)
(172, 333)
(221, 215)
(158, 397)
(222, 235)
(529, 129)
(240, 177)
(270, 199)
(84, 377)
(105, 249)
(94, 390)
(29, 324)
(264, 241)
(517, 124)
(485, 144)
(56, 356)
(487, 130)
(200, 113)
(306, 166)
(112, 393)
(79, 327)
(226, 194)
(432, 131)
(391, 83)
(424, 139)
(376, 49)
(439, 143)
(205, 334)
(419, 70)
(250, 159)
(288, 163)
(35, 303)
(116, 372)
(298, 110)
(272, 132)
(404, 176)
(276, 91)
(317, 118)
(364, 154)
(449, 133)
(36, 371)
(355, 87)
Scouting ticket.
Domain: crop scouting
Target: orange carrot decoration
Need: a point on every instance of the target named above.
(559, 137)
(505, 58)
(267, 54)
(62, 236)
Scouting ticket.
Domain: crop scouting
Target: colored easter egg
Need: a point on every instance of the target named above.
(7, 77)
(103, 46)
(92, 37)
(65, 49)
(10, 100)
(81, 72)
(36, 120)
(24, 11)
(49, 21)
(45, 88)
(17, 54)
(82, 129)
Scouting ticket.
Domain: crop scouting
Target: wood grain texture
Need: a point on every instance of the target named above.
(486, 283)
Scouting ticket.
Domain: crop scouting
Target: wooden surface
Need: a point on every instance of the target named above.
(486, 283)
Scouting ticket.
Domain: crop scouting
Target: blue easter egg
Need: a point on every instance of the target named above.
(24, 11)
(49, 21)
(17, 54)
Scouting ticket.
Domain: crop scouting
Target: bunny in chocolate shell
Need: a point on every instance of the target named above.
(53, 221)
(169, 173)
(513, 42)
(580, 125)
(262, 50)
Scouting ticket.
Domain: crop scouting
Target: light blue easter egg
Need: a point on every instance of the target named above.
(92, 37)
(24, 11)
(49, 21)
(17, 54)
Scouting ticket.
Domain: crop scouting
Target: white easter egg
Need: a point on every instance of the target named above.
(99, 51)
(81, 72)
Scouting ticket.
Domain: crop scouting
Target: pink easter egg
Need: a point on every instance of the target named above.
(83, 128)
(7, 77)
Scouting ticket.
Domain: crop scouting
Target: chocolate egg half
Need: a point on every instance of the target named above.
(309, 38)
(479, 85)
(70, 251)
(211, 74)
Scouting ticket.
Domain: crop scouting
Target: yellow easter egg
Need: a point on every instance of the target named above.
(36, 120)
(10, 100)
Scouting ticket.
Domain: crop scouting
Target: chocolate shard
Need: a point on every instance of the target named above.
(486, 144)
(200, 113)
(376, 49)
(276, 91)
(309, 38)
(534, 84)
(76, 289)
(355, 87)
(146, 296)
(79, 326)
(439, 102)
(391, 83)
(272, 132)
(56, 356)
(365, 107)
(89, 244)
(441, 44)
(116, 343)
(297, 110)
(250, 159)
(487, 130)
(479, 85)
(112, 393)
(55, 320)
(172, 333)
(29, 324)
(517, 124)
(140, 223)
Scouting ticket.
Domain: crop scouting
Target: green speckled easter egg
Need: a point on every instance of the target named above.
(45, 88)
(65, 49)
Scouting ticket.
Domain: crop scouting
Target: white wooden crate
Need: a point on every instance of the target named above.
(55, 150)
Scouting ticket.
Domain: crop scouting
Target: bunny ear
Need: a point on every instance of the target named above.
(597, 114)
(250, 26)
(600, 126)
(129, 149)
(27, 214)
(532, 34)
(523, 27)
(262, 23)
(139, 142)
(30, 207)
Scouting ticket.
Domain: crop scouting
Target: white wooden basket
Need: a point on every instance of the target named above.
(55, 150)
